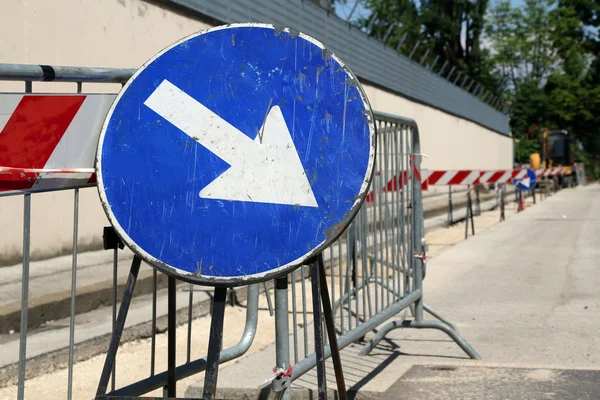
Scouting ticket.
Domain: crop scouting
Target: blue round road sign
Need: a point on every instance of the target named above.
(528, 182)
(236, 154)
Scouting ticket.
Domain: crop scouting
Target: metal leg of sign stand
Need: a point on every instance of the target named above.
(320, 293)
(171, 388)
(215, 343)
(450, 205)
(116, 335)
(533, 194)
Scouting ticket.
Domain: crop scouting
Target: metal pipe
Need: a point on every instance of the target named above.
(46, 73)
(24, 296)
(282, 331)
(159, 380)
(73, 294)
(172, 337)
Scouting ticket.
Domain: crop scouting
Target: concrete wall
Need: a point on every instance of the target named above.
(125, 33)
(448, 141)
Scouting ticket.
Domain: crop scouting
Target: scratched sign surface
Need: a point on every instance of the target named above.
(236, 154)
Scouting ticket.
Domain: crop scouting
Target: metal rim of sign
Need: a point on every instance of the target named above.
(273, 273)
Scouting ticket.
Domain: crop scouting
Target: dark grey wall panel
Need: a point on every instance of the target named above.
(368, 58)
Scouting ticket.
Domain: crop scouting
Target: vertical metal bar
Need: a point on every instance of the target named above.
(468, 210)
(450, 205)
(417, 223)
(359, 220)
(24, 294)
(349, 291)
(172, 337)
(364, 249)
(304, 321)
(294, 317)
(386, 141)
(73, 293)
(282, 333)
(114, 310)
(356, 288)
(471, 212)
(189, 332)
(394, 216)
(380, 209)
(215, 343)
(332, 271)
(153, 344)
(333, 344)
(403, 184)
(377, 193)
(118, 331)
(341, 282)
(318, 323)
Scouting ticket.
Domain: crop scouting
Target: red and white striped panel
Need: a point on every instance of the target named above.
(48, 142)
(455, 177)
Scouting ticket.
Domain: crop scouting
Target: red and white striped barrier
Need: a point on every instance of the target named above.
(463, 177)
(48, 142)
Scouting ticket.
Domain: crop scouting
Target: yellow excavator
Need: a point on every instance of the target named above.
(556, 150)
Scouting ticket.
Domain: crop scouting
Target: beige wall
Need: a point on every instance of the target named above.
(125, 33)
(95, 33)
(448, 141)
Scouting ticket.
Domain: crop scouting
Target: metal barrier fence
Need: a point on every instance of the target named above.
(80, 76)
(374, 270)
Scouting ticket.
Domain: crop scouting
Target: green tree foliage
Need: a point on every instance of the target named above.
(546, 54)
(451, 29)
(543, 55)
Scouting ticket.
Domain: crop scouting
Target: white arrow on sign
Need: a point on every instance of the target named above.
(526, 182)
(264, 170)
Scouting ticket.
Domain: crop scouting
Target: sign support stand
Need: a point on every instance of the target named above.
(171, 328)
(321, 296)
(116, 335)
(215, 343)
